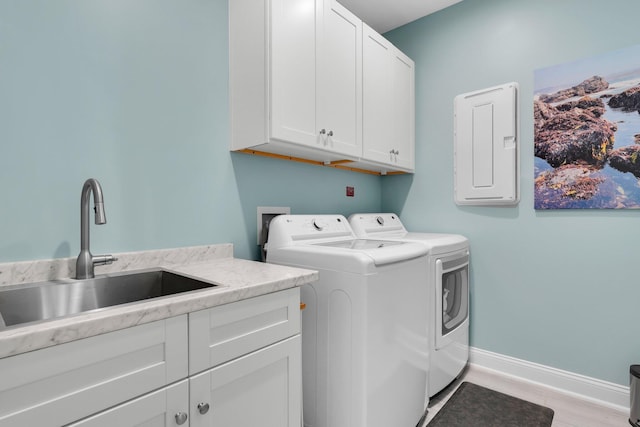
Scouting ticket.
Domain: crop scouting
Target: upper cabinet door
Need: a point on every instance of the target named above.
(378, 97)
(388, 103)
(293, 71)
(404, 109)
(339, 93)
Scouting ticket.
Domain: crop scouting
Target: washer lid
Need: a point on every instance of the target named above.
(381, 252)
(328, 241)
(389, 227)
(361, 244)
(439, 242)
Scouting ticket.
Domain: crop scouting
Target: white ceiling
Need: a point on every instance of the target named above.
(385, 15)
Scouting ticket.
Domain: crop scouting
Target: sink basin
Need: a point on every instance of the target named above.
(48, 300)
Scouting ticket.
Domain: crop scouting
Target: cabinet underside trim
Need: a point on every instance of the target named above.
(337, 164)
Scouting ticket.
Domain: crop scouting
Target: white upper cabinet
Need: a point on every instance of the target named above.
(295, 78)
(309, 80)
(388, 103)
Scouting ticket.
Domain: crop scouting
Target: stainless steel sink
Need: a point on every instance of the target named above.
(47, 300)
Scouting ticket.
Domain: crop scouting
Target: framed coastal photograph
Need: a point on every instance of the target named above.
(587, 133)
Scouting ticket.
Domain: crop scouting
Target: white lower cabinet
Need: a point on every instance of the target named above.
(158, 409)
(58, 385)
(141, 376)
(262, 389)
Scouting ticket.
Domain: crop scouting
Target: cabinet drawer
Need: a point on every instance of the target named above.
(157, 409)
(57, 385)
(220, 334)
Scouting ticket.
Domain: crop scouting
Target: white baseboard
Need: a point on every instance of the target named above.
(602, 392)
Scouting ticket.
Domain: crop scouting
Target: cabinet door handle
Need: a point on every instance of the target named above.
(323, 131)
(203, 408)
(181, 418)
(330, 133)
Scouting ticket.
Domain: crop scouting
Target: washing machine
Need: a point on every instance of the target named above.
(447, 278)
(364, 340)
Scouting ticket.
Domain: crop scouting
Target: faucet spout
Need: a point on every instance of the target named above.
(86, 261)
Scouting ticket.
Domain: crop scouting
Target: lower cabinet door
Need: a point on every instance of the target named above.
(57, 385)
(262, 389)
(165, 407)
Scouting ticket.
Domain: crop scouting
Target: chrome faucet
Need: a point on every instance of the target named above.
(86, 261)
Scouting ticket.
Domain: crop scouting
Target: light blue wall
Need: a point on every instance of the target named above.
(558, 288)
(134, 93)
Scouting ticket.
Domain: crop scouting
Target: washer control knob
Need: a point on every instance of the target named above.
(318, 225)
(380, 220)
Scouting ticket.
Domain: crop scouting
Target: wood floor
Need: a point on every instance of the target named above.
(569, 410)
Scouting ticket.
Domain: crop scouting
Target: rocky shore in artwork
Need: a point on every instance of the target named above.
(574, 132)
(629, 100)
(577, 142)
(591, 85)
(566, 185)
(626, 159)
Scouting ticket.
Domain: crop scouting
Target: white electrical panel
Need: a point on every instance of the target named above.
(486, 146)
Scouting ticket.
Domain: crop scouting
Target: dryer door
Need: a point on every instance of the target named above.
(452, 296)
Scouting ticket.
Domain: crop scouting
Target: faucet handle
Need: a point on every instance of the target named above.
(103, 259)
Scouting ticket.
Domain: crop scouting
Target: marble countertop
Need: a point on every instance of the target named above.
(237, 279)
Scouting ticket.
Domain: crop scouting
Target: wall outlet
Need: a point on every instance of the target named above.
(351, 191)
(264, 216)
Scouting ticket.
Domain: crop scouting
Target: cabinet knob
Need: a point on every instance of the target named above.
(203, 408)
(323, 131)
(181, 418)
(330, 133)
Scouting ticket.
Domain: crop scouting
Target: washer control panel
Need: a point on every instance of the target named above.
(296, 228)
(368, 223)
(305, 224)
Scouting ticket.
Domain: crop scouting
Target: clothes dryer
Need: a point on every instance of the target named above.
(364, 336)
(447, 278)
